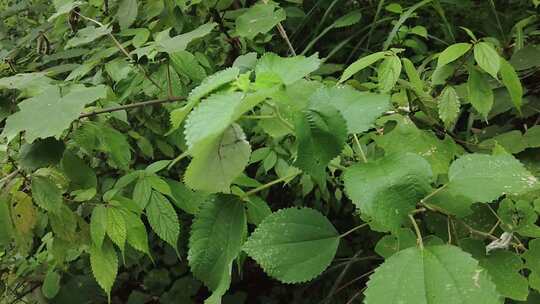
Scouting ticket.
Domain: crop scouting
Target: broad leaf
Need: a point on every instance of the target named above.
(260, 18)
(321, 132)
(180, 42)
(137, 236)
(511, 80)
(388, 73)
(484, 178)
(217, 234)
(104, 263)
(217, 164)
(360, 109)
(87, 35)
(287, 70)
(449, 106)
(435, 274)
(480, 93)
(51, 284)
(487, 58)
(361, 64)
(163, 218)
(452, 53)
(50, 103)
(127, 13)
(116, 227)
(293, 245)
(388, 189)
(98, 225)
(46, 193)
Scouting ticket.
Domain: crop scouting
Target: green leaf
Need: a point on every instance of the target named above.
(361, 64)
(287, 70)
(293, 245)
(116, 227)
(406, 137)
(87, 35)
(64, 108)
(217, 164)
(81, 176)
(142, 192)
(6, 225)
(452, 53)
(46, 193)
(217, 234)
(435, 274)
(388, 73)
(349, 19)
(180, 42)
(41, 153)
(487, 58)
(104, 263)
(137, 236)
(127, 13)
(259, 18)
(185, 63)
(257, 210)
(321, 133)
(387, 190)
(98, 225)
(51, 284)
(184, 198)
(532, 262)
(32, 84)
(360, 109)
(504, 269)
(210, 84)
(388, 245)
(484, 178)
(511, 80)
(449, 106)
(480, 93)
(163, 218)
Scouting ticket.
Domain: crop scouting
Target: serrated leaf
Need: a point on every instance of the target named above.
(41, 153)
(452, 53)
(50, 104)
(23, 213)
(480, 93)
(259, 18)
(511, 80)
(217, 164)
(504, 269)
(321, 133)
(116, 227)
(63, 223)
(435, 274)
(98, 225)
(217, 235)
(484, 178)
(361, 64)
(137, 236)
(51, 284)
(387, 190)
(390, 244)
(46, 193)
(209, 84)
(293, 245)
(104, 263)
(388, 73)
(87, 35)
(184, 198)
(406, 137)
(360, 109)
(163, 218)
(487, 58)
(185, 63)
(142, 192)
(127, 13)
(449, 106)
(257, 210)
(81, 176)
(6, 225)
(287, 70)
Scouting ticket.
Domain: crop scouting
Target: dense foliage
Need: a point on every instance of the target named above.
(240, 151)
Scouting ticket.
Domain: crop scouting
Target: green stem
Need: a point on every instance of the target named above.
(352, 230)
(417, 230)
(359, 147)
(270, 184)
(427, 197)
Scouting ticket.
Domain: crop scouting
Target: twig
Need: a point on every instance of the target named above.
(284, 35)
(133, 105)
(353, 230)
(359, 147)
(417, 230)
(123, 50)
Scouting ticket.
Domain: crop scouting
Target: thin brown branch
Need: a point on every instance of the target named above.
(132, 105)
